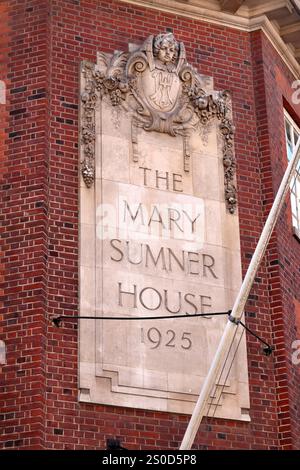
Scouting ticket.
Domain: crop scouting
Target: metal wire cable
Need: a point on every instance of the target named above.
(58, 319)
(268, 350)
(256, 336)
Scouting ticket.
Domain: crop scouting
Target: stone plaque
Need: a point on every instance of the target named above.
(159, 233)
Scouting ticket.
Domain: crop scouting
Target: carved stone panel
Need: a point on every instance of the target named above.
(159, 233)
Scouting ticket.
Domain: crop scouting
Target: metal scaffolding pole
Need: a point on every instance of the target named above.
(239, 304)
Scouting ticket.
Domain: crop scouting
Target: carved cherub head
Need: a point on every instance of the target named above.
(166, 48)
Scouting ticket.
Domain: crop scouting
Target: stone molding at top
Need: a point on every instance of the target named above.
(161, 92)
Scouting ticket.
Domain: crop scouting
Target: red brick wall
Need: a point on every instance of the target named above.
(4, 30)
(284, 250)
(24, 200)
(40, 202)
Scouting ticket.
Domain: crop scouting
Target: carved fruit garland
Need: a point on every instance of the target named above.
(88, 103)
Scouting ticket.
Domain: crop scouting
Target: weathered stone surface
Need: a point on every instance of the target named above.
(157, 238)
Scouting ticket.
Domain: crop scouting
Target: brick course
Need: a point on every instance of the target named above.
(44, 42)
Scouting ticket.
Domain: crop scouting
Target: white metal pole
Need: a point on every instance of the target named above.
(239, 304)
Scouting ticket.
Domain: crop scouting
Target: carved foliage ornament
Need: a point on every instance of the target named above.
(173, 103)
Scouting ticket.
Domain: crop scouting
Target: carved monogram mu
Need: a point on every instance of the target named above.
(162, 93)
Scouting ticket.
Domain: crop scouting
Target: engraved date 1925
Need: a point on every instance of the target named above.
(155, 338)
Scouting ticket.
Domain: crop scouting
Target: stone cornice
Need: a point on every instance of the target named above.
(228, 20)
(285, 53)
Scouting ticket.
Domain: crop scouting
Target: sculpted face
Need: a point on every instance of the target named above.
(167, 52)
(165, 48)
